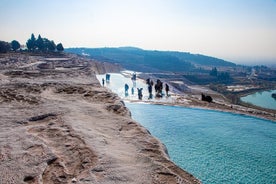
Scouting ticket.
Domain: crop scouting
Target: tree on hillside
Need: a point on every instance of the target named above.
(224, 76)
(43, 44)
(214, 72)
(4, 47)
(60, 47)
(31, 43)
(49, 45)
(15, 45)
(39, 43)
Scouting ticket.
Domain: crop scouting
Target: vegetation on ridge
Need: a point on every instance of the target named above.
(32, 44)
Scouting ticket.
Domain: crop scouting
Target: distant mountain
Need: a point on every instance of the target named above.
(137, 59)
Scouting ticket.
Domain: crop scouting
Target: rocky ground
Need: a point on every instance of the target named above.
(58, 125)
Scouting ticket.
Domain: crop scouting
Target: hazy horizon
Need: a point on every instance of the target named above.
(242, 32)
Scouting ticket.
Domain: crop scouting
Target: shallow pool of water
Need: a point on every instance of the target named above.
(117, 85)
(216, 147)
(262, 99)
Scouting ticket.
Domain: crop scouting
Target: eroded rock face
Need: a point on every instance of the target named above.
(58, 125)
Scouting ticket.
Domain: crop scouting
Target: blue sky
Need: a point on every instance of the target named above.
(236, 30)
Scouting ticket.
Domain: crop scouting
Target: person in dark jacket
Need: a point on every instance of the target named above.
(167, 89)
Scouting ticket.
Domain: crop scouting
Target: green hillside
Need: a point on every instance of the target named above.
(151, 61)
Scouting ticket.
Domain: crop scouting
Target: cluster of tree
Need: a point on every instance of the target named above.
(33, 44)
(221, 76)
(214, 72)
(42, 44)
(4, 47)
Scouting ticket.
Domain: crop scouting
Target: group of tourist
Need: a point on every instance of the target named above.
(139, 91)
(158, 87)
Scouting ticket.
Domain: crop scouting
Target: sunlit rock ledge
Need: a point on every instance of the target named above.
(58, 125)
